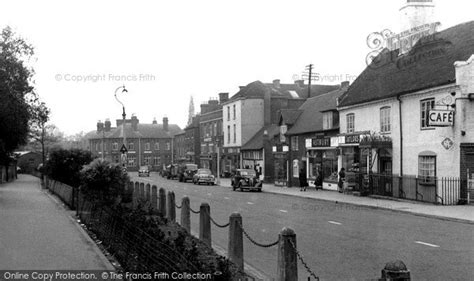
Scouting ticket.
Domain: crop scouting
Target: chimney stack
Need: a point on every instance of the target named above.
(107, 125)
(300, 83)
(100, 126)
(134, 123)
(276, 83)
(165, 123)
(223, 97)
(154, 121)
(204, 108)
(345, 84)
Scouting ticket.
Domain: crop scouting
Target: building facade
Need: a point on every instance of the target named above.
(192, 141)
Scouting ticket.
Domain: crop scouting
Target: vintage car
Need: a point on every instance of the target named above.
(186, 172)
(144, 171)
(171, 171)
(204, 176)
(246, 179)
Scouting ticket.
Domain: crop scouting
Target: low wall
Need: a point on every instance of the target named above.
(63, 191)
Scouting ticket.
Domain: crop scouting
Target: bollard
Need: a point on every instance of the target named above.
(136, 195)
(185, 214)
(148, 192)
(171, 206)
(236, 243)
(154, 198)
(396, 270)
(205, 224)
(142, 191)
(287, 268)
(162, 202)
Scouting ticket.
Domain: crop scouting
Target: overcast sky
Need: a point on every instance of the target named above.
(166, 51)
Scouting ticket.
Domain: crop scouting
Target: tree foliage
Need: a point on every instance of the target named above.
(64, 165)
(16, 92)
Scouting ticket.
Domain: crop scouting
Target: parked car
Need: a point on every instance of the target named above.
(204, 176)
(144, 171)
(171, 171)
(186, 172)
(246, 179)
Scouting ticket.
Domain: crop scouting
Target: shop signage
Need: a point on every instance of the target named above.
(207, 139)
(285, 148)
(441, 118)
(352, 139)
(321, 142)
(308, 143)
(447, 143)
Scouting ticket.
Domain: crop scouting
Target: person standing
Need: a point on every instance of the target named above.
(303, 180)
(342, 178)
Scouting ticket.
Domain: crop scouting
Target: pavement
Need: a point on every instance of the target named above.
(37, 232)
(462, 213)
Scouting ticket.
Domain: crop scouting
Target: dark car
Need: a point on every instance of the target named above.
(246, 179)
(171, 171)
(186, 172)
(204, 176)
(144, 171)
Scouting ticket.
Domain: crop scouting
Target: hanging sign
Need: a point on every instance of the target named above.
(440, 118)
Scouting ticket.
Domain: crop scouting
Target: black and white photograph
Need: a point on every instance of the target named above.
(279, 140)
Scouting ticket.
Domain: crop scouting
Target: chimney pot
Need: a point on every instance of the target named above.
(223, 97)
(100, 126)
(107, 125)
(165, 123)
(345, 84)
(276, 83)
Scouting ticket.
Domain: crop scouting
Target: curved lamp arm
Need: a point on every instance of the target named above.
(123, 91)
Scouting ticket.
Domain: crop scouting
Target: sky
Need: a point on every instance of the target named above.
(164, 52)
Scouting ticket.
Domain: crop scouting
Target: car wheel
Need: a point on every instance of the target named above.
(259, 190)
(212, 183)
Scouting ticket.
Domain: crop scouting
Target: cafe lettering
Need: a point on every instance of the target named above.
(441, 118)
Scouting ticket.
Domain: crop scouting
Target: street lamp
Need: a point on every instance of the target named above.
(124, 145)
(218, 180)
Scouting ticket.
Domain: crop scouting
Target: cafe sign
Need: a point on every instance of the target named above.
(440, 118)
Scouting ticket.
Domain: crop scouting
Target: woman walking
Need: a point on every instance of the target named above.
(342, 178)
(303, 180)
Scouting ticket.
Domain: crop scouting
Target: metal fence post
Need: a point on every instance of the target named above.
(185, 214)
(136, 194)
(205, 224)
(162, 204)
(142, 191)
(148, 192)
(236, 243)
(287, 268)
(171, 206)
(154, 198)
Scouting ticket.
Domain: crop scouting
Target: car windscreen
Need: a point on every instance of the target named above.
(207, 172)
(247, 173)
(191, 167)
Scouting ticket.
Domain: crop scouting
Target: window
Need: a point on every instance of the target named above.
(427, 168)
(156, 161)
(425, 106)
(235, 134)
(147, 146)
(116, 159)
(228, 134)
(294, 143)
(296, 168)
(115, 146)
(157, 146)
(228, 113)
(97, 146)
(234, 111)
(350, 122)
(168, 145)
(327, 120)
(385, 120)
(131, 146)
(131, 161)
(215, 128)
(147, 160)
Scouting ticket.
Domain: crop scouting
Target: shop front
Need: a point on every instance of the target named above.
(281, 165)
(230, 161)
(322, 168)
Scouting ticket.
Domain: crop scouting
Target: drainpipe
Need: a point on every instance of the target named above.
(401, 134)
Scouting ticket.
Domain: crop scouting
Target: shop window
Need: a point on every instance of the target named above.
(427, 167)
(296, 168)
(425, 107)
(350, 120)
(330, 165)
(385, 126)
(294, 143)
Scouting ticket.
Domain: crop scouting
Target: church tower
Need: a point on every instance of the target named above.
(415, 13)
(191, 111)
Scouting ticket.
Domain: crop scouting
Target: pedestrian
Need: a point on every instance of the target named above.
(303, 180)
(342, 178)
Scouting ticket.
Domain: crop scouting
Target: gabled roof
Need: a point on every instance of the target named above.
(256, 142)
(430, 63)
(143, 131)
(311, 117)
(257, 89)
(289, 116)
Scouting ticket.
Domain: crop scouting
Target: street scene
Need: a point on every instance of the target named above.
(237, 141)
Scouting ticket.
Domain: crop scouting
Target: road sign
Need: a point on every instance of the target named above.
(123, 149)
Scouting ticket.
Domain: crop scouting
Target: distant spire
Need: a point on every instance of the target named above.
(191, 111)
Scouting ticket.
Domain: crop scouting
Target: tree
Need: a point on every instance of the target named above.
(16, 92)
(39, 131)
(64, 165)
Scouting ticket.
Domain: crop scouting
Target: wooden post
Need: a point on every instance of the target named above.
(142, 191)
(154, 198)
(205, 224)
(396, 270)
(185, 214)
(162, 203)
(236, 243)
(136, 195)
(148, 192)
(171, 207)
(287, 268)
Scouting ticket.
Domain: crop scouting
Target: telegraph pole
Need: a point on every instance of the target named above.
(310, 69)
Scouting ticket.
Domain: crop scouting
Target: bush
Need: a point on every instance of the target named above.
(64, 165)
(104, 181)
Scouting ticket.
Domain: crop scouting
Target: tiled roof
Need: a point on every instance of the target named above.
(256, 142)
(311, 117)
(289, 116)
(143, 131)
(430, 63)
(258, 89)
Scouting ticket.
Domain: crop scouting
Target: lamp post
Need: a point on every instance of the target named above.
(123, 159)
(218, 160)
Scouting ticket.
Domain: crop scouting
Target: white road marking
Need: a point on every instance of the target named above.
(427, 244)
(209, 194)
(250, 203)
(284, 211)
(226, 198)
(335, 222)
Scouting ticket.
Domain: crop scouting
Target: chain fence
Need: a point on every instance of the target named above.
(195, 212)
(255, 242)
(308, 269)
